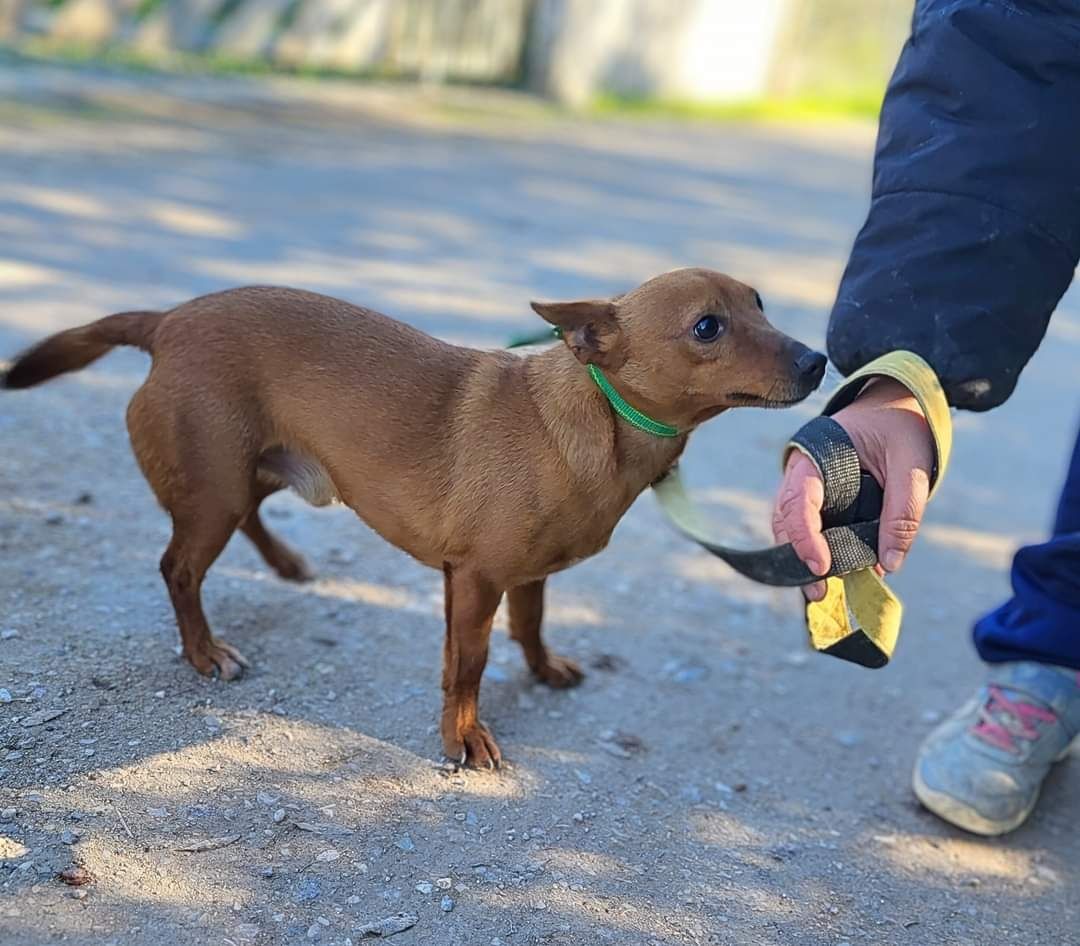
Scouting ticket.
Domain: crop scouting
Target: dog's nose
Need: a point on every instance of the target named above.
(810, 366)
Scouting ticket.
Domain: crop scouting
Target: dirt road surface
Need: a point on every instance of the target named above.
(710, 782)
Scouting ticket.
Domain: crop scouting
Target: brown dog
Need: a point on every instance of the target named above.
(496, 469)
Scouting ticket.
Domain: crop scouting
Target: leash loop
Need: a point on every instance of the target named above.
(859, 618)
(851, 513)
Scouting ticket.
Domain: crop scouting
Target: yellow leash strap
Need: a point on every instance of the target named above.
(860, 608)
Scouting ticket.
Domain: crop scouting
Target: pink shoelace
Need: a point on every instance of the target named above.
(1002, 719)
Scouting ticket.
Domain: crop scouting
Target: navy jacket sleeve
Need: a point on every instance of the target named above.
(973, 232)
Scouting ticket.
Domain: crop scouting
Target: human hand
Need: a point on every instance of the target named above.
(893, 440)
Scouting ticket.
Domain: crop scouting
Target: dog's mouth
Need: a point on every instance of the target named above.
(742, 399)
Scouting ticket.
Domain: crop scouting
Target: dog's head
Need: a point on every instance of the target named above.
(687, 345)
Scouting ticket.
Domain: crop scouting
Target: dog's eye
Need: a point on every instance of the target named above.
(757, 299)
(707, 328)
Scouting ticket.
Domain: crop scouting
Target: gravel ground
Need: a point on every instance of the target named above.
(710, 782)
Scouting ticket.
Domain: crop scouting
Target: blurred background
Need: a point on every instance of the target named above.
(575, 51)
(446, 161)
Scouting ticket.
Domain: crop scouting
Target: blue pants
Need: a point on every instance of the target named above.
(1042, 620)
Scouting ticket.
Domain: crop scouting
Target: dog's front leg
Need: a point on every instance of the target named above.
(526, 614)
(471, 601)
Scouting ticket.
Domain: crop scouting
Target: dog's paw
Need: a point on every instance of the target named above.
(217, 657)
(475, 748)
(559, 673)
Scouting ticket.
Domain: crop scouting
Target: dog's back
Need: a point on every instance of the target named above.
(283, 387)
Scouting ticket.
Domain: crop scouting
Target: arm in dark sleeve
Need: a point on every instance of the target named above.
(974, 227)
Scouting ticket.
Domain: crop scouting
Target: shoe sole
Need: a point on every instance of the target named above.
(963, 816)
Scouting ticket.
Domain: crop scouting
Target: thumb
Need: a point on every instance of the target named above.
(906, 490)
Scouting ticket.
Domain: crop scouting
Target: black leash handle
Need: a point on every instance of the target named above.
(850, 515)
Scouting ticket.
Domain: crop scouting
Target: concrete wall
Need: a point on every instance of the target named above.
(669, 49)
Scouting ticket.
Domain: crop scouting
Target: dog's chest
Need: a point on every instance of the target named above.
(565, 543)
(565, 559)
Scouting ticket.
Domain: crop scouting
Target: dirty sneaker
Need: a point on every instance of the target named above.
(982, 769)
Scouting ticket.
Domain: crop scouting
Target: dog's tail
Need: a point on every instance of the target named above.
(78, 347)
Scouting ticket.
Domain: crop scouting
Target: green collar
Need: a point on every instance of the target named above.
(627, 412)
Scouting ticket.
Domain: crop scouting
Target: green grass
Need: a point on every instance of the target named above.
(209, 63)
(862, 105)
(173, 62)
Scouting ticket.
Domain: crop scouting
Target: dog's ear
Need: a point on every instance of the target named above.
(589, 328)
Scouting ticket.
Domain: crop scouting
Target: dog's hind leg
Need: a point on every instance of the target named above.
(201, 466)
(196, 542)
(526, 604)
(288, 563)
